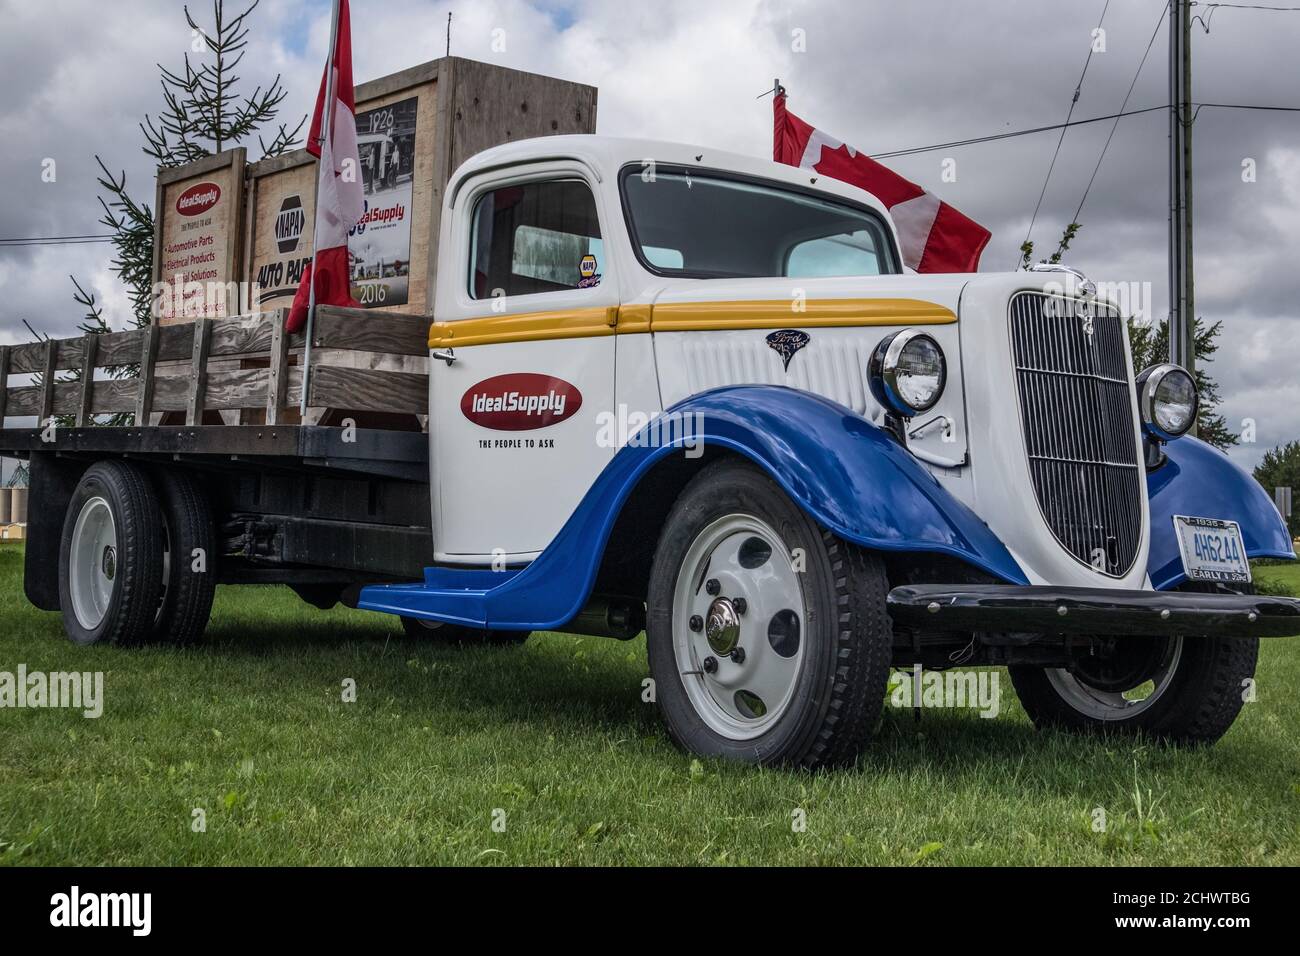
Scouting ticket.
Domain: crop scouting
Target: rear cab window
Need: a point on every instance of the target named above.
(535, 237)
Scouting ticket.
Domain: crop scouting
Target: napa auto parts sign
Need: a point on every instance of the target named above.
(520, 401)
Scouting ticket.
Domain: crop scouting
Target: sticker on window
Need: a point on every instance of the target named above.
(587, 269)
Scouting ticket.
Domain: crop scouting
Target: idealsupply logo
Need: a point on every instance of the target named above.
(198, 199)
(520, 401)
(380, 216)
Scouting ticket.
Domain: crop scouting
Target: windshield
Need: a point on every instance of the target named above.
(709, 225)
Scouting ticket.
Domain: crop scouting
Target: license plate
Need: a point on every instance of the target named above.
(1212, 549)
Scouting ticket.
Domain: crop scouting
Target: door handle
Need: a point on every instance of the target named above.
(446, 355)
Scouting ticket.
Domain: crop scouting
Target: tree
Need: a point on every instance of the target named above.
(1063, 246)
(1150, 346)
(203, 114)
(1280, 468)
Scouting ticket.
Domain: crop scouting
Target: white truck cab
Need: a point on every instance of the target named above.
(815, 457)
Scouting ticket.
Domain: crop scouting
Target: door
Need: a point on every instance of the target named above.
(527, 317)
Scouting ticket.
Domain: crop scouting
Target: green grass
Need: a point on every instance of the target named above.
(251, 728)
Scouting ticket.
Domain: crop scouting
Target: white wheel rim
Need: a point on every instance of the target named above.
(93, 565)
(749, 561)
(1117, 705)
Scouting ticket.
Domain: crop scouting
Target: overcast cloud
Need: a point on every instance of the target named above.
(77, 76)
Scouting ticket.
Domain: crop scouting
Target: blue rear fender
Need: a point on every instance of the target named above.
(848, 474)
(1200, 481)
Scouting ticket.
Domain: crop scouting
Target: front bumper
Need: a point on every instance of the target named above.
(1093, 611)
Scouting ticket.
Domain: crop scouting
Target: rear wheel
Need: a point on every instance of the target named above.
(110, 556)
(188, 576)
(1185, 690)
(423, 630)
(767, 637)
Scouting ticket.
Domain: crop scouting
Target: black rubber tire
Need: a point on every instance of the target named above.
(1197, 708)
(459, 635)
(187, 599)
(841, 689)
(137, 580)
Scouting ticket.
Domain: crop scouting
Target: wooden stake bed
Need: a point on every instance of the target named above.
(211, 384)
(302, 504)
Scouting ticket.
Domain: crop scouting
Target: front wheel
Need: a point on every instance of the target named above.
(1185, 690)
(767, 637)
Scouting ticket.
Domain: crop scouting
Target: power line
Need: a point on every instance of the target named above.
(1014, 133)
(976, 140)
(1150, 43)
(1248, 106)
(94, 235)
(1254, 6)
(1214, 8)
(53, 240)
(1074, 101)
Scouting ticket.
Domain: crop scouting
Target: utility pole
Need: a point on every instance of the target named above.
(1182, 300)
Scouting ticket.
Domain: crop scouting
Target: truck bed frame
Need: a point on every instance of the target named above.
(324, 508)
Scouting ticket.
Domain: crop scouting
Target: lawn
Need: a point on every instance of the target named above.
(553, 742)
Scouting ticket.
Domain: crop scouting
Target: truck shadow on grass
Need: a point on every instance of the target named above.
(559, 684)
(554, 682)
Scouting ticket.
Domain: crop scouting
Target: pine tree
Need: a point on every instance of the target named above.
(203, 113)
(1280, 468)
(1150, 346)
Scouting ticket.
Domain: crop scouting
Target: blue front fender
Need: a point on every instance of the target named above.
(849, 475)
(1200, 481)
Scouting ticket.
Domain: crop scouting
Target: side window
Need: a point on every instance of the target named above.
(535, 237)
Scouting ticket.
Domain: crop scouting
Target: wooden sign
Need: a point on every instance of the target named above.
(281, 205)
(197, 232)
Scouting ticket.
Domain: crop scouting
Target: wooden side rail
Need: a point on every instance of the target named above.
(261, 336)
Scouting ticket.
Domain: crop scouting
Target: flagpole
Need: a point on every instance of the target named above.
(327, 115)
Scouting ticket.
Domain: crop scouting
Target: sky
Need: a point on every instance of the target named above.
(881, 75)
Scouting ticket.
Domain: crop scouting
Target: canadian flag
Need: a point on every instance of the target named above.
(935, 237)
(340, 198)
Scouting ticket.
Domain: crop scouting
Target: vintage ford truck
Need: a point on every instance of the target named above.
(677, 390)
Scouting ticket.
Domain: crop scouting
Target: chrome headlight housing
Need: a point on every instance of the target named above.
(907, 372)
(1167, 400)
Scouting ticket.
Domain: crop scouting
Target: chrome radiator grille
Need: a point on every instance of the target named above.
(1076, 412)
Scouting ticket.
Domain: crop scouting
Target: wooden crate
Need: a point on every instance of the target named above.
(460, 107)
(274, 389)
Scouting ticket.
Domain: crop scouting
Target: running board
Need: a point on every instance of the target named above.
(451, 595)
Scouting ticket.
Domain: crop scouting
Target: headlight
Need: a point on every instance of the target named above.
(1167, 400)
(907, 372)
